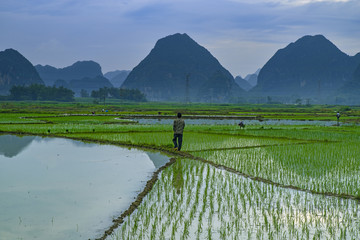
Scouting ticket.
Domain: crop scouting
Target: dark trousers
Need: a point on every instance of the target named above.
(177, 141)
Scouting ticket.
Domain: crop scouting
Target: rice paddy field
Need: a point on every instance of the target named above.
(279, 181)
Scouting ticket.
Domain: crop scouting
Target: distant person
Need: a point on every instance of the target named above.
(178, 128)
(338, 117)
(241, 124)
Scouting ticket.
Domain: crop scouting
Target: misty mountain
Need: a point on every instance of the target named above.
(243, 83)
(15, 69)
(88, 84)
(179, 69)
(352, 87)
(82, 75)
(311, 66)
(117, 77)
(79, 70)
(252, 78)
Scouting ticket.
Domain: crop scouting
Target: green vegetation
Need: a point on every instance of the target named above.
(41, 92)
(262, 182)
(215, 204)
(247, 111)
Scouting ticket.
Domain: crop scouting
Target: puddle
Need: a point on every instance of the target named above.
(53, 188)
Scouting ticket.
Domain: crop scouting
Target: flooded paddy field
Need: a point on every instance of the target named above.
(54, 188)
(274, 181)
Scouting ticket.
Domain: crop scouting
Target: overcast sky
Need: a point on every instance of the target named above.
(118, 34)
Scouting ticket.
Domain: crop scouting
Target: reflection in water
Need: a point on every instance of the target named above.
(63, 189)
(158, 159)
(11, 145)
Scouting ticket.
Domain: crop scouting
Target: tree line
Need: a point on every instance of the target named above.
(41, 92)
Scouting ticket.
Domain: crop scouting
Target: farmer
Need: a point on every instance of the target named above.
(241, 125)
(178, 128)
(338, 117)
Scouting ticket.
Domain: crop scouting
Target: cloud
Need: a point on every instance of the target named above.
(120, 33)
(288, 2)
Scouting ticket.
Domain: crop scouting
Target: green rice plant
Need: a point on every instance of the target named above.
(283, 213)
(321, 167)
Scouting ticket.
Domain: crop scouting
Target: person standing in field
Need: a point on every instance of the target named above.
(178, 128)
(338, 117)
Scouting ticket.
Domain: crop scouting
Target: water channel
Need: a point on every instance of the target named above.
(53, 188)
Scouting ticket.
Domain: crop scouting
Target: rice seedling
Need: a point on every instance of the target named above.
(284, 213)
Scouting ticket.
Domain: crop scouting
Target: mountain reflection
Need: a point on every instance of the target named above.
(11, 145)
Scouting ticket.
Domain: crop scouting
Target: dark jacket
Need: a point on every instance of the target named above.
(178, 126)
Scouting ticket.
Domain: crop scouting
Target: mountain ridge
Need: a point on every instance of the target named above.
(77, 70)
(178, 69)
(15, 69)
(311, 66)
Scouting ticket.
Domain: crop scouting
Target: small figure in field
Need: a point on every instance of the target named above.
(241, 125)
(338, 117)
(178, 128)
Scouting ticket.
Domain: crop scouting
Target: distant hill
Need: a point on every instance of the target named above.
(82, 75)
(252, 78)
(179, 69)
(243, 83)
(78, 70)
(311, 66)
(352, 88)
(15, 69)
(89, 84)
(117, 77)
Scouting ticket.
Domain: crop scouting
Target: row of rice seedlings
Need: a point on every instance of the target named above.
(202, 141)
(319, 167)
(215, 204)
(350, 133)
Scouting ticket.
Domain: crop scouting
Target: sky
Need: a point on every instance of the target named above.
(242, 34)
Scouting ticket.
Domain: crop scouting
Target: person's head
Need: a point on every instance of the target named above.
(179, 115)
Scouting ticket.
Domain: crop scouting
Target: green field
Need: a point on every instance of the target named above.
(261, 182)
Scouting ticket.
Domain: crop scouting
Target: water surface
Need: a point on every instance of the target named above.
(54, 188)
